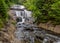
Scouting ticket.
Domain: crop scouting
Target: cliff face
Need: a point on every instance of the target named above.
(49, 26)
(7, 33)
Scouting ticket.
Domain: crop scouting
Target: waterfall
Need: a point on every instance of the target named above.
(22, 34)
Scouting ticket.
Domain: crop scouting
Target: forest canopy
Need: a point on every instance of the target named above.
(44, 10)
(4, 7)
(3, 12)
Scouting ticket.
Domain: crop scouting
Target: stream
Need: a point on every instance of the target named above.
(30, 32)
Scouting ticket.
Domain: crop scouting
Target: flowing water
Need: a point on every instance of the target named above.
(31, 33)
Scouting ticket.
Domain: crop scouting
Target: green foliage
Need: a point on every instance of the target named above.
(1, 23)
(21, 1)
(16, 1)
(3, 13)
(44, 10)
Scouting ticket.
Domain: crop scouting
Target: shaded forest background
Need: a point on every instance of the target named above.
(43, 10)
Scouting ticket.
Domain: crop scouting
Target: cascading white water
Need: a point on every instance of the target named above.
(19, 34)
(27, 35)
(45, 40)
